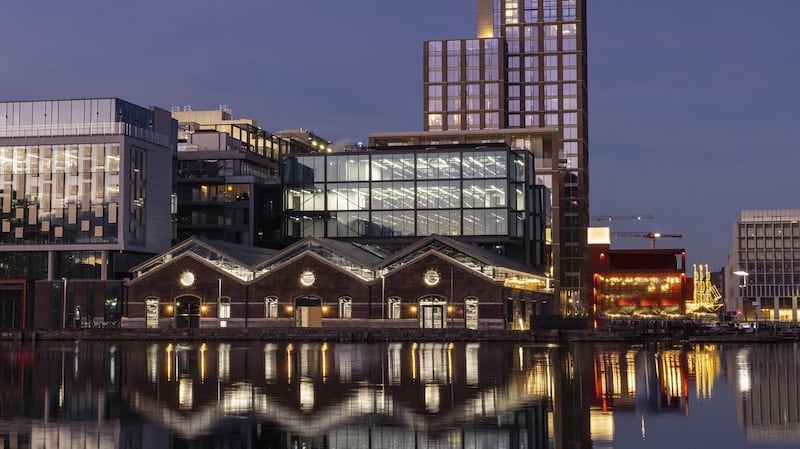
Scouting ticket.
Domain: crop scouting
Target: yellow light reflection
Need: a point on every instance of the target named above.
(450, 364)
(324, 351)
(601, 425)
(414, 361)
(203, 363)
(289, 349)
(169, 361)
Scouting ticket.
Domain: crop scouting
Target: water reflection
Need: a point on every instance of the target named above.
(399, 395)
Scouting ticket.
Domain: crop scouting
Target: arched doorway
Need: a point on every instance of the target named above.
(433, 312)
(308, 311)
(187, 311)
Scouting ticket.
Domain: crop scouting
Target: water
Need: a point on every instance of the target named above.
(404, 395)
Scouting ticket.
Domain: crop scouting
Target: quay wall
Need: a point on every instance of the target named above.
(377, 335)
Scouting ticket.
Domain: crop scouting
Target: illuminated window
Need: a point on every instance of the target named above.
(271, 307)
(394, 307)
(225, 307)
(345, 307)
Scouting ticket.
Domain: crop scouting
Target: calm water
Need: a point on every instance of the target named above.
(404, 395)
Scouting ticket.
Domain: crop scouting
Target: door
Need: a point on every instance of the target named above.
(187, 312)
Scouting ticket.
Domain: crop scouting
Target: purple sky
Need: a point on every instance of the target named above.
(692, 103)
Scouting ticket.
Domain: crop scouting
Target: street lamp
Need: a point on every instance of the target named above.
(64, 304)
(743, 286)
(383, 296)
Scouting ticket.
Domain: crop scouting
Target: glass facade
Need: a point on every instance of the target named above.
(455, 193)
(75, 174)
(527, 69)
(60, 193)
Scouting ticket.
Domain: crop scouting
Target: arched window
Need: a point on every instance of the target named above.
(224, 307)
(394, 307)
(471, 312)
(345, 307)
(151, 312)
(271, 307)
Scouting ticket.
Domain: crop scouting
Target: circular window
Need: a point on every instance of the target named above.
(431, 277)
(308, 278)
(187, 278)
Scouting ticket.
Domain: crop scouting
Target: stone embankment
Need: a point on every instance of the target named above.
(380, 335)
(287, 334)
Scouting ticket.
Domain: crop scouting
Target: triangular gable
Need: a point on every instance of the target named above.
(188, 254)
(286, 263)
(453, 249)
(361, 260)
(448, 260)
(218, 254)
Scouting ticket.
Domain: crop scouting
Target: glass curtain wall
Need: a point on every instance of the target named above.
(454, 193)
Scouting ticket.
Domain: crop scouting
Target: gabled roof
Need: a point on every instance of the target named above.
(243, 255)
(438, 242)
(354, 253)
(362, 261)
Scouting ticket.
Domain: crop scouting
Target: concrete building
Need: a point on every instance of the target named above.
(85, 190)
(525, 70)
(762, 274)
(227, 175)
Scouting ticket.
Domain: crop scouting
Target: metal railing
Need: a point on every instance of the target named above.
(84, 129)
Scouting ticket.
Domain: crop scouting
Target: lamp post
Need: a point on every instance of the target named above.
(743, 287)
(383, 296)
(64, 303)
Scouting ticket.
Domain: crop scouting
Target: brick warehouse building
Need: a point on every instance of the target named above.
(437, 282)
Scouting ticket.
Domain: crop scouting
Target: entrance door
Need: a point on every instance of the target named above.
(308, 311)
(11, 302)
(187, 311)
(432, 314)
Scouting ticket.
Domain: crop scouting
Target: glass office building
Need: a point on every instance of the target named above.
(524, 71)
(481, 194)
(85, 193)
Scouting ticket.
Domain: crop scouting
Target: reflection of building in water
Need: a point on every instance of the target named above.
(322, 395)
(704, 365)
(641, 378)
(764, 380)
(570, 399)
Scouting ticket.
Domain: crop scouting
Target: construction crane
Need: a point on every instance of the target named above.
(621, 217)
(650, 235)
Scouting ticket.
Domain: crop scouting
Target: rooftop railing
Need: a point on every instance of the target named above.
(84, 129)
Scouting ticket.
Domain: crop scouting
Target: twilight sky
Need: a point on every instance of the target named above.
(692, 103)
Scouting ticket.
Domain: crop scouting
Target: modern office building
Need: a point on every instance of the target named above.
(85, 192)
(227, 174)
(481, 194)
(526, 69)
(762, 274)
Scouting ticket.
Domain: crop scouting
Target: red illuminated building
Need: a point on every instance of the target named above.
(637, 283)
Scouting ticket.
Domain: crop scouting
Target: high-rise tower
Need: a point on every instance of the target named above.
(527, 68)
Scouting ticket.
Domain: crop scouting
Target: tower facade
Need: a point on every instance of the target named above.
(526, 68)
(762, 274)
